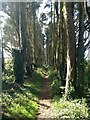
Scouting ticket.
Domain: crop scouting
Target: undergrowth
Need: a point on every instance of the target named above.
(70, 109)
(62, 108)
(20, 102)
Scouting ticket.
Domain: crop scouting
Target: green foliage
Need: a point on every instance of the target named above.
(8, 74)
(76, 109)
(66, 109)
(43, 70)
(10, 35)
(53, 73)
(55, 83)
(8, 78)
(19, 105)
(8, 66)
(20, 101)
(87, 75)
(56, 88)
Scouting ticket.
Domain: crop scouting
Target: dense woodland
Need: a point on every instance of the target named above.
(52, 42)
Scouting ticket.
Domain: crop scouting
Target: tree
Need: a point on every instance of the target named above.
(70, 78)
(87, 8)
(80, 52)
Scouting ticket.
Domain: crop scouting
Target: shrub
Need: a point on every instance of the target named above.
(76, 109)
(8, 75)
(8, 66)
(56, 89)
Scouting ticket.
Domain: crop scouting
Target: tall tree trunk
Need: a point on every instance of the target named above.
(87, 8)
(59, 43)
(23, 27)
(34, 28)
(50, 42)
(3, 64)
(53, 41)
(80, 55)
(17, 6)
(70, 49)
(20, 55)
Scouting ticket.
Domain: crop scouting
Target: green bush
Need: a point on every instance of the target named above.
(19, 106)
(55, 83)
(53, 74)
(56, 88)
(76, 109)
(20, 101)
(8, 66)
(8, 74)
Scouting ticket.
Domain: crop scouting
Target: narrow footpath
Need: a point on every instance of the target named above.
(45, 111)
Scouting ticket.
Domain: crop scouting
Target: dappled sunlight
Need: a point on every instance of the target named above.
(21, 101)
(47, 75)
(45, 109)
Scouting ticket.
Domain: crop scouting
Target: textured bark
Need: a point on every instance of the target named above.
(87, 8)
(18, 65)
(59, 43)
(17, 15)
(80, 55)
(50, 43)
(23, 26)
(53, 41)
(3, 64)
(70, 48)
(20, 55)
(34, 28)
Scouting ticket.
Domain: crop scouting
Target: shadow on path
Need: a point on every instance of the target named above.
(45, 110)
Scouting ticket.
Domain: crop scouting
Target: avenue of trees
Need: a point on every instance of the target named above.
(59, 38)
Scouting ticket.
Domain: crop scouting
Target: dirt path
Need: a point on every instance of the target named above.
(45, 110)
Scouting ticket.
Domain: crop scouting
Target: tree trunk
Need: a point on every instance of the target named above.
(3, 64)
(23, 27)
(20, 55)
(80, 55)
(70, 49)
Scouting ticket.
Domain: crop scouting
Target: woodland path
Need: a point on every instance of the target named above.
(45, 108)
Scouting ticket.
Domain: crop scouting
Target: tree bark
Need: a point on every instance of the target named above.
(70, 78)
(80, 55)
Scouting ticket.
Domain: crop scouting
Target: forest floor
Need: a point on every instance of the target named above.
(45, 107)
(39, 97)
